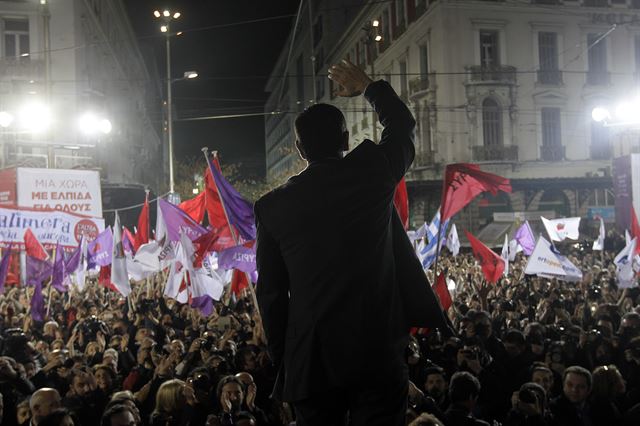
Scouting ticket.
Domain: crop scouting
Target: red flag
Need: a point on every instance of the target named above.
(635, 229)
(215, 211)
(214, 240)
(33, 246)
(142, 233)
(239, 282)
(492, 264)
(104, 279)
(462, 182)
(195, 207)
(401, 201)
(442, 292)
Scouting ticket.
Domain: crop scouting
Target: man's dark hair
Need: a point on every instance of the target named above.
(320, 129)
(111, 411)
(515, 336)
(463, 386)
(434, 369)
(580, 371)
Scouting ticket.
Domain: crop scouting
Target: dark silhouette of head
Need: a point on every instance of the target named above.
(321, 133)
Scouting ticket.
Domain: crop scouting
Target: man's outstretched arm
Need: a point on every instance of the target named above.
(272, 290)
(397, 140)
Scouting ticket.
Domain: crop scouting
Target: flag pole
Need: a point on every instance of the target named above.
(51, 281)
(226, 216)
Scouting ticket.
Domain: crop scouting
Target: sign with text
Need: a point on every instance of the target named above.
(71, 191)
(49, 227)
(8, 187)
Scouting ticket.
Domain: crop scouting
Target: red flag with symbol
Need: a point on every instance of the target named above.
(33, 246)
(492, 264)
(441, 290)
(462, 182)
(401, 201)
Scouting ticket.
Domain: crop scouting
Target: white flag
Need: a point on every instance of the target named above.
(599, 243)
(505, 255)
(119, 275)
(546, 261)
(514, 248)
(453, 243)
(559, 229)
(624, 265)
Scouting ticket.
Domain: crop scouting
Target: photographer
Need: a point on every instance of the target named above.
(529, 407)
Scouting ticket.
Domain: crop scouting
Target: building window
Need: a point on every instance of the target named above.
(424, 62)
(491, 123)
(600, 148)
(552, 149)
(489, 53)
(548, 57)
(400, 18)
(386, 31)
(317, 31)
(16, 38)
(597, 59)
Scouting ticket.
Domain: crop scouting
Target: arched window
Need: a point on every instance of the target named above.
(491, 123)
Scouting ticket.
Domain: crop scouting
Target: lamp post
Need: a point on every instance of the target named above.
(167, 16)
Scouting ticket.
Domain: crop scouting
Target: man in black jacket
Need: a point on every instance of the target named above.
(332, 259)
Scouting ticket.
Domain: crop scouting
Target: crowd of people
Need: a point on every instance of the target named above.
(527, 351)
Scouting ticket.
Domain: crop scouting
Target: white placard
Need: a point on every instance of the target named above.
(49, 227)
(71, 191)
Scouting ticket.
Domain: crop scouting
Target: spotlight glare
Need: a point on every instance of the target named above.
(5, 119)
(625, 111)
(599, 114)
(35, 117)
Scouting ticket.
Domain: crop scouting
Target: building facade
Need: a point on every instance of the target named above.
(509, 85)
(64, 59)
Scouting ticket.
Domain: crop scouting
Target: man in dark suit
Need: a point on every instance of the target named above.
(328, 287)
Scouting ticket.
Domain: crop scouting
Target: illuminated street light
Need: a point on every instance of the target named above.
(176, 15)
(378, 38)
(600, 114)
(156, 13)
(35, 117)
(164, 28)
(5, 119)
(375, 23)
(190, 74)
(166, 13)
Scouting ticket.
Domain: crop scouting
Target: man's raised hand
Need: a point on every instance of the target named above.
(351, 79)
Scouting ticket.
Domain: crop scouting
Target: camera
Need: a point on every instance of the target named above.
(92, 325)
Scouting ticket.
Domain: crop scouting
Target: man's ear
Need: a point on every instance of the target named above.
(300, 150)
(345, 141)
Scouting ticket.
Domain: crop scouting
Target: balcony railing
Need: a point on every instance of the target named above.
(73, 162)
(496, 74)
(28, 160)
(550, 77)
(495, 153)
(552, 152)
(601, 152)
(419, 84)
(21, 68)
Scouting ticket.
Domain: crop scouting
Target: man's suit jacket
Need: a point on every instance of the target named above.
(326, 252)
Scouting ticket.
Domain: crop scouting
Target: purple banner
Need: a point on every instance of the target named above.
(238, 257)
(622, 188)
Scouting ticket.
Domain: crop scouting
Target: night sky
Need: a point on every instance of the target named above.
(233, 62)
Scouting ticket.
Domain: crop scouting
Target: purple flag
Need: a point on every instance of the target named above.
(177, 220)
(99, 250)
(524, 237)
(239, 211)
(58, 273)
(204, 304)
(37, 303)
(73, 262)
(4, 268)
(38, 270)
(238, 257)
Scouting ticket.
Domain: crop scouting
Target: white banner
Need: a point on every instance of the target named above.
(71, 191)
(49, 227)
(559, 229)
(547, 262)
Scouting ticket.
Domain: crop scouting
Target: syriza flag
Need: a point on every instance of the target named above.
(559, 229)
(546, 261)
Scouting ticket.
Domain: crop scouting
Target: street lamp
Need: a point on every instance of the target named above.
(165, 28)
